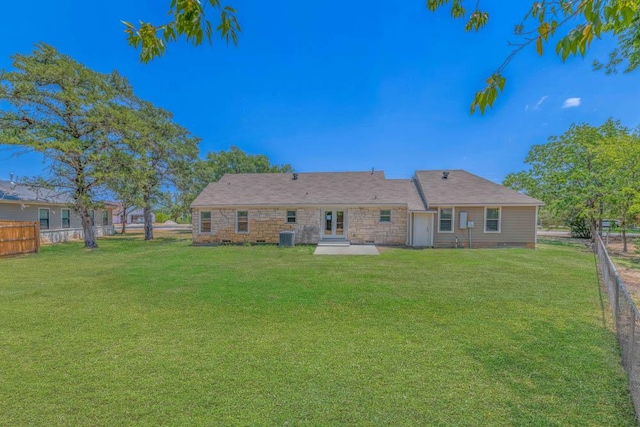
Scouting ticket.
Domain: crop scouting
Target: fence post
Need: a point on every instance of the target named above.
(37, 237)
(632, 344)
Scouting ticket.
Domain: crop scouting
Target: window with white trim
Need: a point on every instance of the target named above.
(445, 220)
(43, 216)
(242, 221)
(205, 222)
(66, 218)
(492, 220)
(291, 217)
(105, 217)
(385, 215)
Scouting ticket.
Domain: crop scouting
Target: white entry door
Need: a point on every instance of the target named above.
(422, 230)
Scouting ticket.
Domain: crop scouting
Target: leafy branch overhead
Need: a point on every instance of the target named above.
(580, 21)
(583, 20)
(187, 19)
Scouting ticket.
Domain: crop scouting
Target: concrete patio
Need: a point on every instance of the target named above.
(347, 250)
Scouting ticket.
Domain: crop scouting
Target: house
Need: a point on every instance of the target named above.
(58, 222)
(434, 209)
(133, 215)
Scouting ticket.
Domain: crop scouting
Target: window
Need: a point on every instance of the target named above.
(291, 217)
(491, 220)
(105, 217)
(205, 222)
(445, 220)
(242, 222)
(385, 215)
(66, 218)
(43, 215)
(92, 217)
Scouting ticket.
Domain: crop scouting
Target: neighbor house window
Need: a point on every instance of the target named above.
(205, 222)
(445, 220)
(66, 218)
(92, 215)
(242, 222)
(291, 217)
(385, 215)
(105, 217)
(43, 214)
(491, 220)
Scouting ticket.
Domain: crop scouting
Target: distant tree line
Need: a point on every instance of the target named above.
(584, 176)
(101, 139)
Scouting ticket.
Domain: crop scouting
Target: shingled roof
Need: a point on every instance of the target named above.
(310, 189)
(10, 192)
(462, 188)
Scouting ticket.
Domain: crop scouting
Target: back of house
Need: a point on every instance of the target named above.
(364, 208)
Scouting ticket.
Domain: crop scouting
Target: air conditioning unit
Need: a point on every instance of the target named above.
(287, 239)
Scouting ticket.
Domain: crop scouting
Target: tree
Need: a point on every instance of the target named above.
(126, 190)
(194, 177)
(579, 21)
(156, 150)
(569, 173)
(62, 109)
(621, 159)
(187, 19)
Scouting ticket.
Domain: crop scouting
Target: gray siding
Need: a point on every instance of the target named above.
(29, 211)
(517, 228)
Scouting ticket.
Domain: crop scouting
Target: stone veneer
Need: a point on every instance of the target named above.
(69, 234)
(265, 225)
(364, 226)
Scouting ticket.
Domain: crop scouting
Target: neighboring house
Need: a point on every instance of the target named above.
(434, 209)
(133, 215)
(58, 222)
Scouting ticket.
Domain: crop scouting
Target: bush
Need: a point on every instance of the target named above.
(580, 228)
(184, 219)
(162, 217)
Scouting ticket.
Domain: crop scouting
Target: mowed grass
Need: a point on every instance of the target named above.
(163, 333)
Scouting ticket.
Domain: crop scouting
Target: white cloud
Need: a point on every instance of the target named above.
(571, 102)
(537, 105)
(540, 101)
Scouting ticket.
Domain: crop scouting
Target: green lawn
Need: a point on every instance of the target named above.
(162, 333)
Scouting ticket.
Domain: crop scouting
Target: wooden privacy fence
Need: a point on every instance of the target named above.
(19, 237)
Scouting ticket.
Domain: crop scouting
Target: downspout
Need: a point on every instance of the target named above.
(409, 240)
(535, 228)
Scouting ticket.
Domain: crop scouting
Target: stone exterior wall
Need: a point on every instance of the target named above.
(265, 225)
(364, 226)
(69, 234)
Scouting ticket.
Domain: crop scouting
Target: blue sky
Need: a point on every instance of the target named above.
(336, 86)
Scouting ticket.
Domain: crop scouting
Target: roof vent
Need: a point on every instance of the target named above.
(373, 170)
(445, 175)
(295, 176)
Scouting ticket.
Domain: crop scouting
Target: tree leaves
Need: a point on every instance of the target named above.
(583, 172)
(188, 20)
(586, 20)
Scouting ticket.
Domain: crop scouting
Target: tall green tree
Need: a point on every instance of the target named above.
(157, 151)
(58, 107)
(569, 173)
(577, 23)
(194, 177)
(621, 160)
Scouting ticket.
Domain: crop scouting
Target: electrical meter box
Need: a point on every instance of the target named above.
(463, 220)
(470, 224)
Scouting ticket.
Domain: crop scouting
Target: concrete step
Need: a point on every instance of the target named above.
(334, 242)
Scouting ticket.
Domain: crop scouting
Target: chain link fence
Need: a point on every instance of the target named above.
(626, 319)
